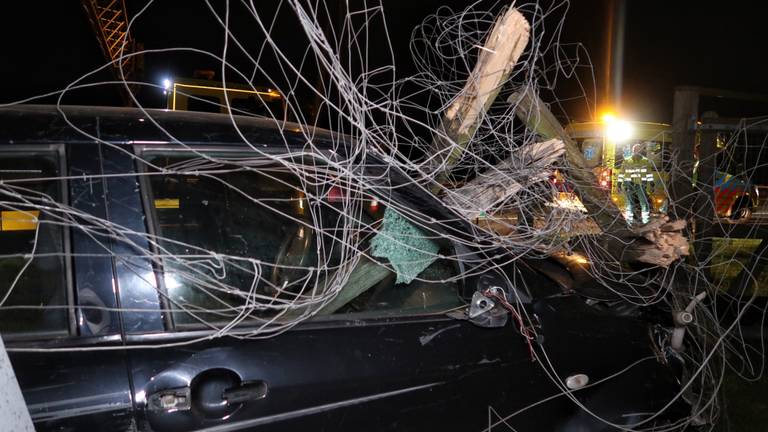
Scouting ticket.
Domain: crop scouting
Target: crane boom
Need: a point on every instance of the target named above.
(109, 20)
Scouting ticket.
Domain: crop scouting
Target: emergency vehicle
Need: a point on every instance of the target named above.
(606, 144)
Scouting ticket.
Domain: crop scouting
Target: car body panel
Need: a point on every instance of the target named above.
(327, 376)
(75, 390)
(346, 373)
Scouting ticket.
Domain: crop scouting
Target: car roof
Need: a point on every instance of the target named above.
(41, 124)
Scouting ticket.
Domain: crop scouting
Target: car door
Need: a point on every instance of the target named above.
(57, 290)
(382, 355)
(350, 376)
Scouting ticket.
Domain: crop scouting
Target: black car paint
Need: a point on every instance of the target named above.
(69, 391)
(327, 375)
(383, 374)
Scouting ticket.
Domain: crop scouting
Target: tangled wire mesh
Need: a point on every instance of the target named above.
(336, 201)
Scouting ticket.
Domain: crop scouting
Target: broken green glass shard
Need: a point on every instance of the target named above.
(407, 248)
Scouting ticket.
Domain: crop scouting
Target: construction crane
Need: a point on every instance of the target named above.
(109, 20)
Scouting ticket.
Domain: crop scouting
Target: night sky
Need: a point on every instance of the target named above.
(47, 45)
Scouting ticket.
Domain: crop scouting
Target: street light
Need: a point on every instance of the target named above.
(167, 83)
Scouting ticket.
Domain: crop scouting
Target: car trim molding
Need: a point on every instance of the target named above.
(315, 409)
(114, 402)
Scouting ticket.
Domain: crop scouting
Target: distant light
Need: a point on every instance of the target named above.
(579, 259)
(608, 117)
(167, 83)
(619, 130)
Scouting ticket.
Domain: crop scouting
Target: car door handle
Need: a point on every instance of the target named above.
(245, 392)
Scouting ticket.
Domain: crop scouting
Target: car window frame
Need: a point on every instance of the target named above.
(179, 330)
(71, 331)
(141, 150)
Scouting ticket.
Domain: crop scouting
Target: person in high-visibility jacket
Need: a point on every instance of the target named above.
(636, 181)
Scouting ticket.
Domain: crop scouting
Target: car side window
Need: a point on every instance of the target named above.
(231, 236)
(33, 272)
(402, 271)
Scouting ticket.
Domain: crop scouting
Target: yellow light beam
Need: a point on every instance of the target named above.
(270, 93)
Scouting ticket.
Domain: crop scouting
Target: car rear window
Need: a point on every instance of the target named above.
(234, 236)
(33, 282)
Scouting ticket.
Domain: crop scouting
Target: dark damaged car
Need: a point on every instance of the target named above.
(112, 351)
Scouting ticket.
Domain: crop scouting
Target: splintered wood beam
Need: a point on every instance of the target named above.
(531, 163)
(537, 117)
(659, 242)
(504, 46)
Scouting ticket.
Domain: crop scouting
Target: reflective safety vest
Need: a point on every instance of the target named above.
(637, 170)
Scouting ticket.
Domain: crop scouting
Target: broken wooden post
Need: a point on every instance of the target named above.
(538, 118)
(659, 244)
(481, 194)
(504, 46)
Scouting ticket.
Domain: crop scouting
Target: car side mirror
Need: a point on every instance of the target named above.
(488, 311)
(488, 305)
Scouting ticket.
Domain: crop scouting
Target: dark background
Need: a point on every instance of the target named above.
(44, 46)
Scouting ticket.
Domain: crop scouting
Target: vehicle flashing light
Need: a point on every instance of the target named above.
(608, 117)
(618, 130)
